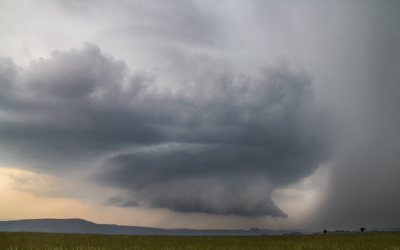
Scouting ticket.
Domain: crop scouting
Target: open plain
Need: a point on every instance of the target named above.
(62, 241)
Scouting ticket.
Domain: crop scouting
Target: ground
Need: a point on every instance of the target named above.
(52, 241)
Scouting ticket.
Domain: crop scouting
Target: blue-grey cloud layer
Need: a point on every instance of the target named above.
(232, 138)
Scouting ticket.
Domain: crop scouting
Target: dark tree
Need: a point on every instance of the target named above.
(325, 231)
(362, 229)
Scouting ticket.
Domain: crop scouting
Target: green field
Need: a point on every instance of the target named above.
(52, 241)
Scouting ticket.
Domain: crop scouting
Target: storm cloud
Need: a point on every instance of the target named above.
(218, 142)
(178, 107)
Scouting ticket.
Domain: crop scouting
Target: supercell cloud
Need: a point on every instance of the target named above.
(217, 142)
(175, 106)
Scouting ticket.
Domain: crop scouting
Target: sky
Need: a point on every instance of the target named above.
(201, 114)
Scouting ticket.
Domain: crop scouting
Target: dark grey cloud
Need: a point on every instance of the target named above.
(217, 143)
(74, 104)
(121, 201)
(220, 179)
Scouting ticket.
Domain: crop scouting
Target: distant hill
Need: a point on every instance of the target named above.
(83, 226)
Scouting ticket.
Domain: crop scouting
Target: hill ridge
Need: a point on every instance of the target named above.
(77, 225)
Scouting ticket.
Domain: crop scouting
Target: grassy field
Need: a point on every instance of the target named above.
(52, 241)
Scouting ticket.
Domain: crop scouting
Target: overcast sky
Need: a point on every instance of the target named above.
(201, 114)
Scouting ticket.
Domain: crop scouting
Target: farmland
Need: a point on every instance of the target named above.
(62, 241)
